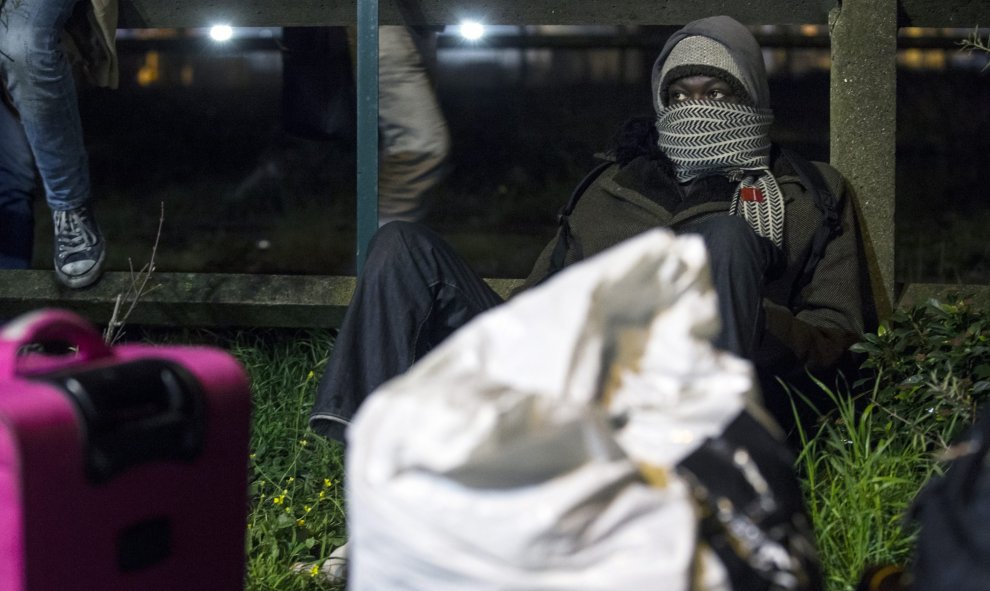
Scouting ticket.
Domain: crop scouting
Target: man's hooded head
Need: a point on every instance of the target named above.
(719, 47)
(729, 136)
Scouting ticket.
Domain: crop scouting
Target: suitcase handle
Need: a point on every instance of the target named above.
(135, 412)
(48, 325)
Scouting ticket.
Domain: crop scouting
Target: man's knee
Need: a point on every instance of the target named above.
(727, 237)
(394, 235)
(396, 243)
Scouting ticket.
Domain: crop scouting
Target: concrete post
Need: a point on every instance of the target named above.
(864, 124)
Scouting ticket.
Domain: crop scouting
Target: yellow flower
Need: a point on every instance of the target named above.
(300, 522)
(310, 376)
(303, 442)
(327, 483)
(323, 494)
(315, 570)
(291, 479)
(278, 500)
(307, 508)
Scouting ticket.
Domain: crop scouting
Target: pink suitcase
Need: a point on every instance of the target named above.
(120, 468)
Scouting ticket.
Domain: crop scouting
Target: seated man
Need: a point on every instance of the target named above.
(782, 240)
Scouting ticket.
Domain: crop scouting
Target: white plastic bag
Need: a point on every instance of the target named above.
(534, 448)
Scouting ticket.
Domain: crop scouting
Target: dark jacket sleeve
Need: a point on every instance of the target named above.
(826, 315)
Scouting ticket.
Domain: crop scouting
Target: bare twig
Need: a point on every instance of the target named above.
(975, 43)
(137, 289)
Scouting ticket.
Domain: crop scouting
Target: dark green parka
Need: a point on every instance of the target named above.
(809, 321)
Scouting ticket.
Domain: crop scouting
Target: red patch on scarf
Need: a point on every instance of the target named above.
(751, 194)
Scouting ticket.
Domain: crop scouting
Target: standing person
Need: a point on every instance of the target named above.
(785, 261)
(414, 141)
(40, 129)
(413, 133)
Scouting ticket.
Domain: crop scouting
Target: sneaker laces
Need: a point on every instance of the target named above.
(74, 231)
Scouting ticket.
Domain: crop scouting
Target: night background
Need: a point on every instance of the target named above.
(196, 126)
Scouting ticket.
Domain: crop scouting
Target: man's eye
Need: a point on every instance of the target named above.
(678, 95)
(717, 95)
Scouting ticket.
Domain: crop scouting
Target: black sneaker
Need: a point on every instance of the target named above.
(79, 247)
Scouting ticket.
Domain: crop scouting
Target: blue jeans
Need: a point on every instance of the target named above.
(48, 133)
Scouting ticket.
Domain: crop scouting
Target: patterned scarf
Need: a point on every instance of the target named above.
(704, 137)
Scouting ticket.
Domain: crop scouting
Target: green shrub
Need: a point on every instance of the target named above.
(866, 463)
(932, 367)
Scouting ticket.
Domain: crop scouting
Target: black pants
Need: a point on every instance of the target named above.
(415, 291)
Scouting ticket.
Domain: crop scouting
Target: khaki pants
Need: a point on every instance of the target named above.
(412, 130)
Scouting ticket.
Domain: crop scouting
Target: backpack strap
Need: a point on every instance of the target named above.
(564, 237)
(825, 200)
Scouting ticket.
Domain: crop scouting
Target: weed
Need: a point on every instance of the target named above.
(136, 289)
(296, 480)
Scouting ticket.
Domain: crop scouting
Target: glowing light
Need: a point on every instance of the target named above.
(221, 33)
(472, 30)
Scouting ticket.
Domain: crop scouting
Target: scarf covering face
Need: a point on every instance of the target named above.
(705, 137)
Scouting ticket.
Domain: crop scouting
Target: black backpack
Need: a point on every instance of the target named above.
(953, 512)
(751, 510)
(825, 200)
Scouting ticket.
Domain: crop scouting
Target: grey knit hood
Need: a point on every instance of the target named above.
(742, 48)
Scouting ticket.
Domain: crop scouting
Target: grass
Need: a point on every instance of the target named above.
(296, 479)
(859, 472)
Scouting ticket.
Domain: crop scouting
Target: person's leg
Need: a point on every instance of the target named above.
(414, 135)
(413, 293)
(739, 261)
(42, 89)
(17, 184)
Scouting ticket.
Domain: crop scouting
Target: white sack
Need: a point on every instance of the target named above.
(511, 457)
